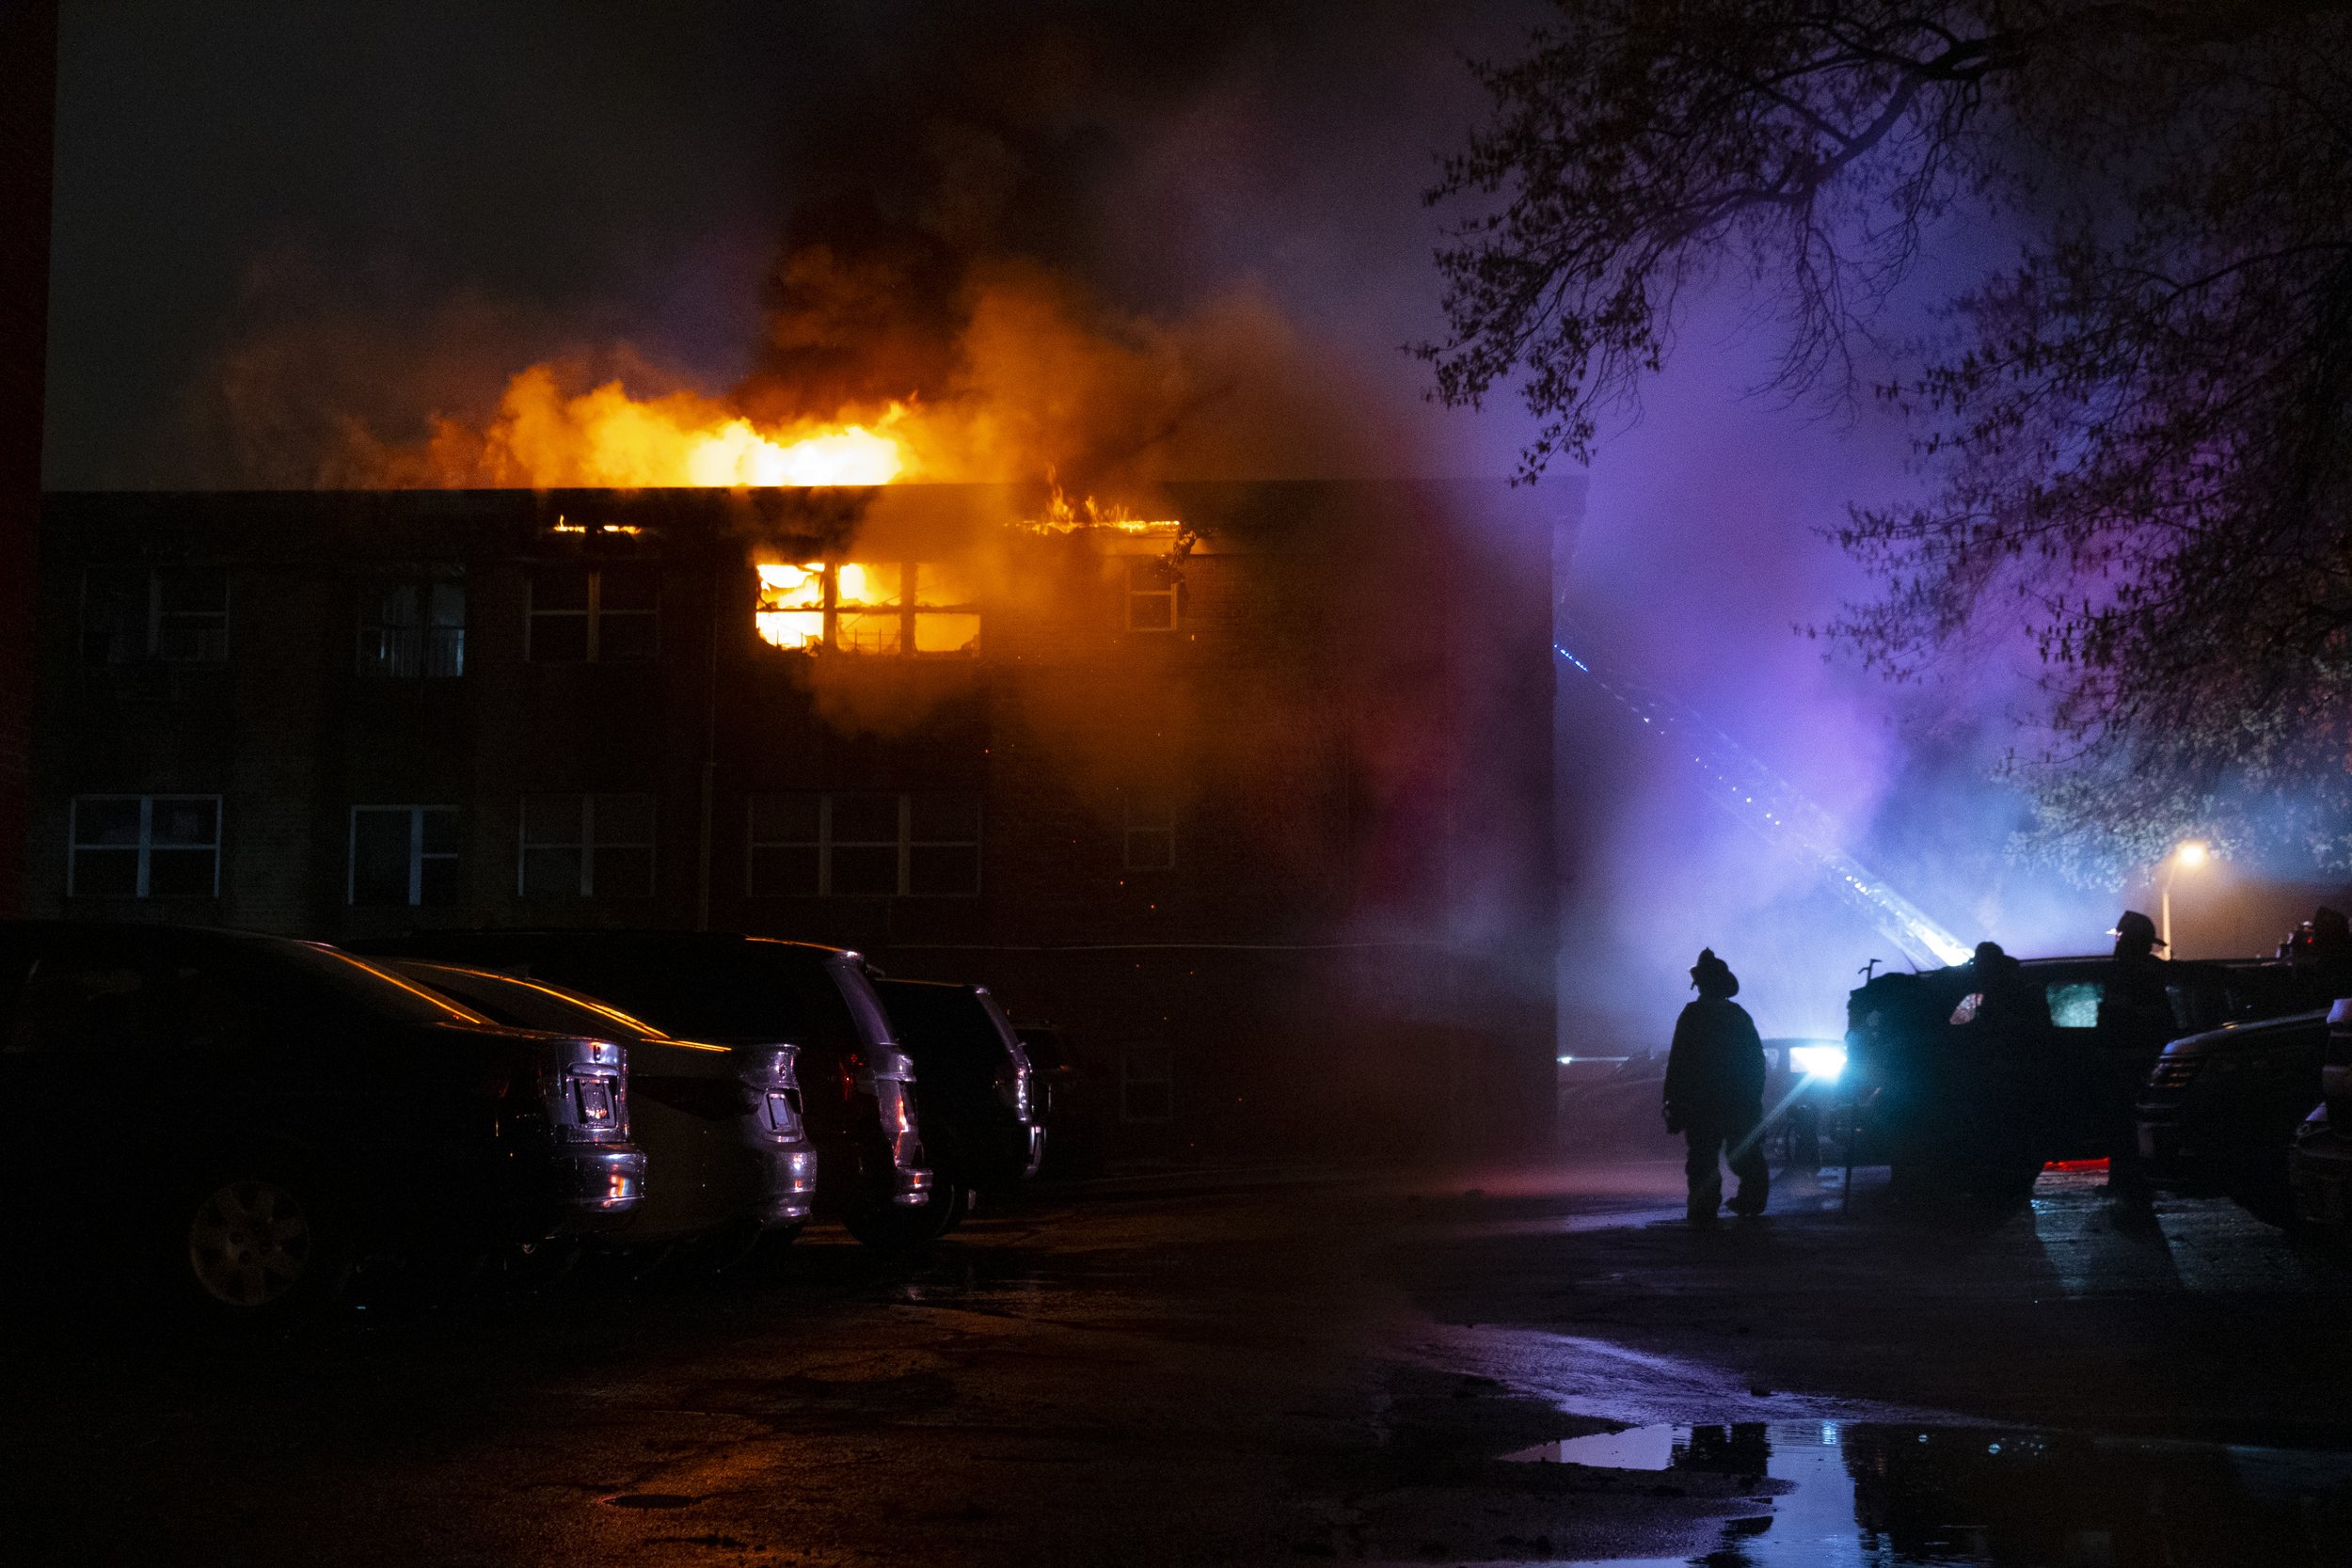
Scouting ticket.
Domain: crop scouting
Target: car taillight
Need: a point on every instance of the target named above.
(583, 1089)
(899, 1126)
(1015, 1089)
(775, 1088)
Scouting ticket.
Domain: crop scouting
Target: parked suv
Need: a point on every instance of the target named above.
(1949, 1102)
(981, 1125)
(2218, 1112)
(728, 990)
(2321, 1167)
(728, 1161)
(241, 1117)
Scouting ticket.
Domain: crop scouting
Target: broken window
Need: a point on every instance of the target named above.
(145, 846)
(595, 615)
(414, 628)
(876, 845)
(177, 614)
(587, 847)
(882, 608)
(403, 855)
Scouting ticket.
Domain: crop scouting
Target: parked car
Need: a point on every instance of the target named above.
(2218, 1112)
(728, 1159)
(982, 1129)
(240, 1117)
(731, 989)
(1066, 1099)
(1950, 1102)
(2320, 1169)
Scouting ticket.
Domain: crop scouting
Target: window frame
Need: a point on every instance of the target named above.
(594, 615)
(588, 845)
(824, 843)
(146, 846)
(910, 612)
(150, 649)
(370, 618)
(418, 854)
(1145, 814)
(1129, 1080)
(1172, 592)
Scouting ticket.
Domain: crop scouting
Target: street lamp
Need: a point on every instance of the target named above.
(2187, 857)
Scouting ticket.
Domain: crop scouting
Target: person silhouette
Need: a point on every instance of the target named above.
(1715, 1094)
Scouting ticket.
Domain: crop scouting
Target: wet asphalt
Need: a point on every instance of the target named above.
(1358, 1369)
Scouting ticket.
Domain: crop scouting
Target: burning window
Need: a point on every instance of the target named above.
(1148, 841)
(403, 855)
(876, 845)
(145, 846)
(890, 607)
(595, 615)
(179, 615)
(587, 847)
(414, 628)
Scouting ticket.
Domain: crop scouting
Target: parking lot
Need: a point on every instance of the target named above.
(1291, 1366)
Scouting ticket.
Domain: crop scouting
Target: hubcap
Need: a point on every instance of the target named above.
(250, 1244)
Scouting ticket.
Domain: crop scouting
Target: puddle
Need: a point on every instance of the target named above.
(1870, 1494)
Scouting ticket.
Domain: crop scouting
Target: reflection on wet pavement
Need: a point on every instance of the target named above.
(1878, 1496)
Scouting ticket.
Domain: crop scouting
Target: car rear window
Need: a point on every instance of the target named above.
(2074, 1003)
(757, 993)
(333, 975)
(528, 1003)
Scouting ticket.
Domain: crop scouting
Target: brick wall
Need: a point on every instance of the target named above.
(1352, 725)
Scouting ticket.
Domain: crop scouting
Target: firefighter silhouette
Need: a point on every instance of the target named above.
(2135, 1019)
(1715, 1094)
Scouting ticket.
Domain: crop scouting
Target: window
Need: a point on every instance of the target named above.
(131, 615)
(1154, 595)
(2074, 1003)
(403, 855)
(414, 629)
(1148, 841)
(871, 846)
(922, 608)
(145, 846)
(595, 615)
(1147, 1084)
(587, 847)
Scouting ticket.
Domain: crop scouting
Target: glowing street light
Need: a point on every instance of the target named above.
(2185, 857)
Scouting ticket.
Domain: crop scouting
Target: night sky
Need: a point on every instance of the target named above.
(446, 192)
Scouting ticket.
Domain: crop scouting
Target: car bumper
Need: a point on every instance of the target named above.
(596, 1186)
(2321, 1171)
(789, 1192)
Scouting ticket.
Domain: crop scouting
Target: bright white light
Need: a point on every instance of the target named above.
(2191, 854)
(1817, 1061)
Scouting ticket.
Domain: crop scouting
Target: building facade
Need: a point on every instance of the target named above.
(1254, 800)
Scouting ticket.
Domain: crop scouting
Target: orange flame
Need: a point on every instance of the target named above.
(606, 440)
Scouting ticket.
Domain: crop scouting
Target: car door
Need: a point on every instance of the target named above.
(84, 1101)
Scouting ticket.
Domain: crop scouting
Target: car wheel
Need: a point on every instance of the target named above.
(259, 1246)
(949, 1208)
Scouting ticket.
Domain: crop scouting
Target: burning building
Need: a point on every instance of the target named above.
(1253, 796)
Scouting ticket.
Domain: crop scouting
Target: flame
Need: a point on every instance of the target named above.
(1062, 516)
(604, 438)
